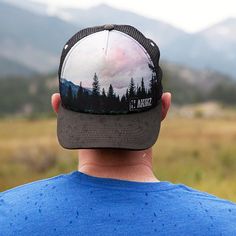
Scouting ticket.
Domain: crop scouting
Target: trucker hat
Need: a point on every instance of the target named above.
(110, 87)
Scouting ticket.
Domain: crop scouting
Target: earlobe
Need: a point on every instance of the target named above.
(166, 102)
(55, 101)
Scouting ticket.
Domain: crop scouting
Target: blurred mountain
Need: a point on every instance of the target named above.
(221, 39)
(221, 34)
(213, 48)
(8, 67)
(34, 38)
(191, 85)
(31, 40)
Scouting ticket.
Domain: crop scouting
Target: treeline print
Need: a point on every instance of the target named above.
(97, 100)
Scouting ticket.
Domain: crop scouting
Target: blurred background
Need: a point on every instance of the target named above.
(197, 40)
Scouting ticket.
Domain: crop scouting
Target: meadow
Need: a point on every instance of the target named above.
(196, 151)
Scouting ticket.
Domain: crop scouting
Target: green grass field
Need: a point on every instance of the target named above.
(198, 152)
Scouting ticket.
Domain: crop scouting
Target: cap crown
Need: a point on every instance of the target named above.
(111, 69)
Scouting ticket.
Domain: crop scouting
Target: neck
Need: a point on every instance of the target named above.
(118, 164)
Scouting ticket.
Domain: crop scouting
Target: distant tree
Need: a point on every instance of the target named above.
(80, 90)
(137, 88)
(131, 88)
(103, 92)
(143, 90)
(123, 99)
(127, 94)
(110, 92)
(139, 92)
(153, 80)
(151, 84)
(96, 86)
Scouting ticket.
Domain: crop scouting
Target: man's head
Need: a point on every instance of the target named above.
(119, 164)
(111, 93)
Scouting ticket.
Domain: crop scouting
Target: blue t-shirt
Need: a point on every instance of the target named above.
(79, 204)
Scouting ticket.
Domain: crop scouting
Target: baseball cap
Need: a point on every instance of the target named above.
(110, 87)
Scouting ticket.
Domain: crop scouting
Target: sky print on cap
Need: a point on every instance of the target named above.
(108, 72)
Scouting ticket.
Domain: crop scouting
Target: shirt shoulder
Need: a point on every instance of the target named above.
(211, 213)
(201, 195)
(24, 206)
(24, 195)
(202, 199)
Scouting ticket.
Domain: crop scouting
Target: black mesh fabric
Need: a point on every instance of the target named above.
(150, 46)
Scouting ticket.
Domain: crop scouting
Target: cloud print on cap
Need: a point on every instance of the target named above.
(107, 72)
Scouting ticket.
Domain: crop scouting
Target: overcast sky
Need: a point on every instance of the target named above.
(115, 58)
(188, 15)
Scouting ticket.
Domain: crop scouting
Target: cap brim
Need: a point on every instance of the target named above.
(135, 131)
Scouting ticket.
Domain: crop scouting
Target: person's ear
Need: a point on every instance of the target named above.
(166, 102)
(55, 101)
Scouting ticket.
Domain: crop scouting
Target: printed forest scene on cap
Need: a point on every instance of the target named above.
(118, 78)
